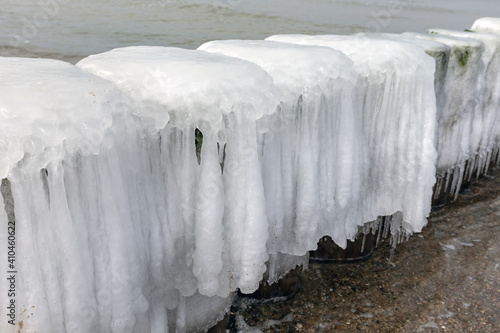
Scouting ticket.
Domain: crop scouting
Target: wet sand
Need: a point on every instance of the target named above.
(445, 279)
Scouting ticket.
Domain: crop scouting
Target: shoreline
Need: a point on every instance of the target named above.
(446, 278)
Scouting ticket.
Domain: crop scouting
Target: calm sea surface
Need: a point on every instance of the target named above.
(71, 29)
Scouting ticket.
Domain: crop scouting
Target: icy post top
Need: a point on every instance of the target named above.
(45, 103)
(186, 84)
(453, 42)
(296, 69)
(427, 45)
(487, 24)
(491, 41)
(369, 54)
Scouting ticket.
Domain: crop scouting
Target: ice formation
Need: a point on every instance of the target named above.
(147, 184)
(487, 25)
(207, 216)
(396, 81)
(459, 114)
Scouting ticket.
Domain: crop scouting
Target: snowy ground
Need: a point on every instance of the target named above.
(446, 279)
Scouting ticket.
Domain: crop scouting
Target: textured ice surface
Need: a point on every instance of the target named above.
(396, 82)
(460, 113)
(487, 24)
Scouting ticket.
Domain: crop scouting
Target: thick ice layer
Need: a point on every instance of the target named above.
(460, 113)
(487, 24)
(485, 137)
(214, 224)
(397, 107)
(313, 151)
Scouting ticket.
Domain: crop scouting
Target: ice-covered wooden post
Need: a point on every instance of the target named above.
(397, 102)
(58, 157)
(203, 217)
(486, 126)
(313, 152)
(459, 115)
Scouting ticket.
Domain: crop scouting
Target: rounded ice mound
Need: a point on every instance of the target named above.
(296, 69)
(186, 85)
(45, 103)
(487, 24)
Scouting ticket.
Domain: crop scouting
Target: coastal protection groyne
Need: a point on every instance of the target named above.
(144, 186)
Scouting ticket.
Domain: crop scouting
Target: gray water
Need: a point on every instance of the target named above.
(72, 29)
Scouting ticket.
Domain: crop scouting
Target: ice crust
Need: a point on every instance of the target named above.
(128, 221)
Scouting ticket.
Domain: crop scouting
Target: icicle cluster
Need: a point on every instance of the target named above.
(147, 184)
(395, 82)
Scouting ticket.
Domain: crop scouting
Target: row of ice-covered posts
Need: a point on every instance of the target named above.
(194, 173)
